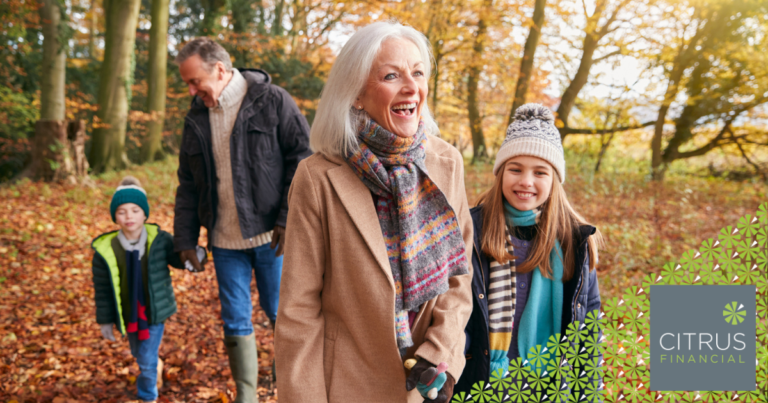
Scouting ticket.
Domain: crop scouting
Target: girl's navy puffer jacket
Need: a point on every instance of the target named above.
(580, 296)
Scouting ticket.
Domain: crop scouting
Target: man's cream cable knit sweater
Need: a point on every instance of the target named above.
(226, 233)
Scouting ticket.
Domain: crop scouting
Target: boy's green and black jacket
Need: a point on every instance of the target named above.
(110, 279)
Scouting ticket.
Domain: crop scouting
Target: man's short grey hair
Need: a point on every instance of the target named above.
(208, 50)
(334, 130)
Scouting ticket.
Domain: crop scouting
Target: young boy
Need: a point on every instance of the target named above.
(133, 283)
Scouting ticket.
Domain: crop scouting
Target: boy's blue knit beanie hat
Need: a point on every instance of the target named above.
(129, 191)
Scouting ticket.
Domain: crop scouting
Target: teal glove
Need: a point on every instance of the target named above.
(437, 384)
(433, 383)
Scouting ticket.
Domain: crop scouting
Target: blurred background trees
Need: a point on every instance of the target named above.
(676, 85)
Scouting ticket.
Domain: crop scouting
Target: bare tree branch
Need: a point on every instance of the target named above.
(569, 130)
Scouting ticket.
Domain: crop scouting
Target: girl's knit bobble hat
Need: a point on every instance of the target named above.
(129, 191)
(533, 133)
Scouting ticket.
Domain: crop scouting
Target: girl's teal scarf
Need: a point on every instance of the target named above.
(544, 308)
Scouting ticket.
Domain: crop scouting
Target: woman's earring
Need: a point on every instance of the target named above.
(359, 107)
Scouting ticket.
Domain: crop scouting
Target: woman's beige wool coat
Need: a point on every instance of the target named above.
(335, 336)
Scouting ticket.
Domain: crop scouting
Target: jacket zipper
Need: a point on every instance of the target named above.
(572, 310)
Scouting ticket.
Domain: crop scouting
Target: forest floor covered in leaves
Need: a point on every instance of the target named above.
(51, 348)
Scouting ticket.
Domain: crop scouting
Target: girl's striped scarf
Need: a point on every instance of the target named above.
(501, 308)
(420, 229)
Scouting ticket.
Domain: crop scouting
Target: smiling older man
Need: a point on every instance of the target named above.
(243, 139)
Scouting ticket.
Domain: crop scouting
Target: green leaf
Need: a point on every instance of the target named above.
(517, 369)
(746, 250)
(727, 237)
(480, 393)
(747, 227)
(708, 250)
(710, 276)
(711, 395)
(519, 393)
(576, 332)
(612, 356)
(538, 356)
(690, 260)
(671, 274)
(762, 214)
(746, 274)
(500, 382)
(762, 261)
(648, 281)
(592, 321)
(556, 393)
(538, 379)
(577, 355)
(459, 397)
(592, 344)
(613, 309)
(762, 237)
(556, 345)
(631, 297)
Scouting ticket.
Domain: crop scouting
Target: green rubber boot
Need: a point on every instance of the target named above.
(274, 371)
(244, 363)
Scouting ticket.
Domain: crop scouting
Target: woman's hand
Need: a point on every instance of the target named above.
(424, 377)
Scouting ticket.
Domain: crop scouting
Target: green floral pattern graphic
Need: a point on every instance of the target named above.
(566, 369)
(733, 313)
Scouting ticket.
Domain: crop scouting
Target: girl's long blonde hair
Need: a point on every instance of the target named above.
(558, 220)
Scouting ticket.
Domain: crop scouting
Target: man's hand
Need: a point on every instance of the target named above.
(418, 376)
(278, 239)
(190, 256)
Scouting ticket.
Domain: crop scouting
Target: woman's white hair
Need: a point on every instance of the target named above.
(334, 130)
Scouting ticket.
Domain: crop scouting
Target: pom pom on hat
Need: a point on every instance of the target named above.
(534, 111)
(533, 133)
(130, 181)
(129, 191)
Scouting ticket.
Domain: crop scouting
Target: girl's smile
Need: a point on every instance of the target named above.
(527, 182)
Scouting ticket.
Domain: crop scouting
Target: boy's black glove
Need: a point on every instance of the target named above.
(415, 378)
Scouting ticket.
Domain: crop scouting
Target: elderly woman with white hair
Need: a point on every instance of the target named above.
(376, 269)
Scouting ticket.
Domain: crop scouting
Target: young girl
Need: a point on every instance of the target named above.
(534, 257)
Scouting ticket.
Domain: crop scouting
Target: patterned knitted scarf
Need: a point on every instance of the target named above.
(420, 229)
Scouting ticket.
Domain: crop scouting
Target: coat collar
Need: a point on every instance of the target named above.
(358, 201)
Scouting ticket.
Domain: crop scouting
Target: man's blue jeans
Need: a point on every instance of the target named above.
(145, 352)
(233, 273)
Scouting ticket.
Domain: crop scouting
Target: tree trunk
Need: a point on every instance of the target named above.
(107, 150)
(243, 15)
(212, 16)
(568, 100)
(151, 148)
(529, 52)
(277, 22)
(52, 73)
(92, 31)
(261, 25)
(479, 152)
(51, 130)
(435, 82)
